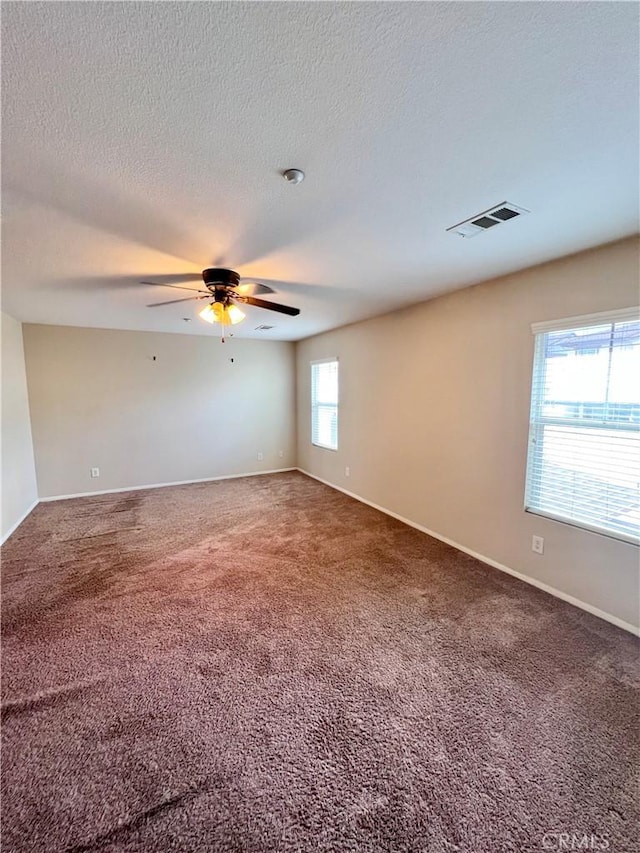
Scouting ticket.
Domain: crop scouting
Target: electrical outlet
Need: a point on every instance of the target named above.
(281, 454)
(95, 472)
(537, 544)
(260, 456)
(347, 471)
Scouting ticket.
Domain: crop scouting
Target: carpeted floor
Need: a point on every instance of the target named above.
(266, 665)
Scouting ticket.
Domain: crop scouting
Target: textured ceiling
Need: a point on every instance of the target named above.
(144, 139)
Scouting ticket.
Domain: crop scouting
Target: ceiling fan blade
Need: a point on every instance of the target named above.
(178, 278)
(270, 306)
(175, 301)
(253, 288)
(175, 287)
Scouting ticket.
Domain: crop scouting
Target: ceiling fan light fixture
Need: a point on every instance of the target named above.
(207, 314)
(234, 314)
(226, 315)
(224, 288)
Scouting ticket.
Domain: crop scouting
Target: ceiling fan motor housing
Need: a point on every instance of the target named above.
(220, 278)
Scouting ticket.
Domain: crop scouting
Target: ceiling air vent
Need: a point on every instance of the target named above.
(264, 328)
(487, 219)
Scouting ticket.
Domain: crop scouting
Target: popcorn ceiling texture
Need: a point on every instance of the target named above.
(267, 665)
(148, 139)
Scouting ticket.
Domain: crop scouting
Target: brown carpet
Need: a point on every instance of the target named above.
(266, 665)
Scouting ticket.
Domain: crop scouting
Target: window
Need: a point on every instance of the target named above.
(324, 403)
(584, 441)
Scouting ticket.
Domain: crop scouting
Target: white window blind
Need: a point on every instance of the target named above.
(324, 403)
(584, 441)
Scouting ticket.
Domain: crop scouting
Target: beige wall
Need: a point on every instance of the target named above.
(98, 399)
(19, 491)
(433, 420)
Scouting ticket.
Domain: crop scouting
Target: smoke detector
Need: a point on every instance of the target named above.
(497, 215)
(293, 176)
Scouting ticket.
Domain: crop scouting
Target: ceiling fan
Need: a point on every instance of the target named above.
(226, 291)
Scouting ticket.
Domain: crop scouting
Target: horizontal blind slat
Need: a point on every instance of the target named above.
(584, 451)
(324, 404)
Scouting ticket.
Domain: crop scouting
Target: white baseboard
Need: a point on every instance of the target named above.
(19, 522)
(595, 611)
(164, 485)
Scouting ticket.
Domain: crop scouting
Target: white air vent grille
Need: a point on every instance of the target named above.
(264, 328)
(497, 215)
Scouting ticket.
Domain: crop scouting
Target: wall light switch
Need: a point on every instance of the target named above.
(537, 544)
(95, 472)
(347, 471)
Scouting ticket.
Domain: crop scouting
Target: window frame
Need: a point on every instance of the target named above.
(537, 422)
(314, 408)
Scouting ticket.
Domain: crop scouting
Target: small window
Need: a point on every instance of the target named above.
(324, 403)
(584, 440)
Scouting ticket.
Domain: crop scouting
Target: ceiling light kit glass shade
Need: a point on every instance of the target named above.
(226, 315)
